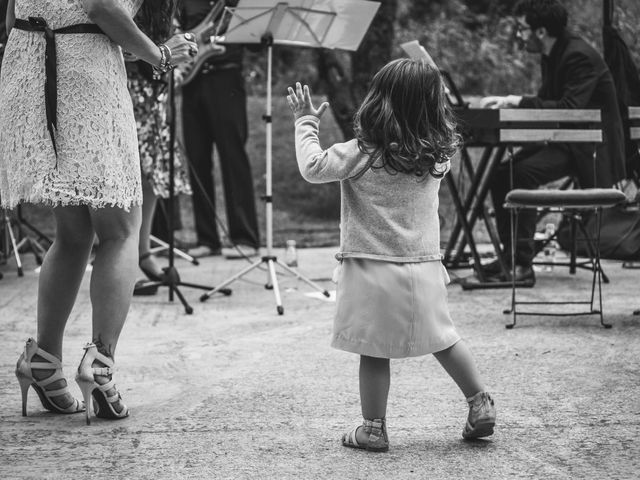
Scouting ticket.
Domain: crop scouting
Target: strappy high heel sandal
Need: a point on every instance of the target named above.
(103, 402)
(378, 439)
(24, 372)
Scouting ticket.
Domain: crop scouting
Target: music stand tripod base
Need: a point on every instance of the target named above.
(172, 281)
(272, 284)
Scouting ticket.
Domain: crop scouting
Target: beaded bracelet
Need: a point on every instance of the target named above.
(165, 61)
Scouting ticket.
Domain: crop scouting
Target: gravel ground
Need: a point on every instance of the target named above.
(236, 391)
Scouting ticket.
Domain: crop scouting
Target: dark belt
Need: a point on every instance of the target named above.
(39, 24)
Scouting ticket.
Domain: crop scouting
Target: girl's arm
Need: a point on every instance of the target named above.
(116, 22)
(339, 162)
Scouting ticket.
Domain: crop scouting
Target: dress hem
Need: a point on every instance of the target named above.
(73, 203)
(372, 350)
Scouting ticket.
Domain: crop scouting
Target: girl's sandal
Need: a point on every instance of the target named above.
(376, 429)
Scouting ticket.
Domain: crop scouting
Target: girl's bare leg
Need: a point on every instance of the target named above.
(375, 378)
(460, 365)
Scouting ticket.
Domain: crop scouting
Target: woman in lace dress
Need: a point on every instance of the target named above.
(70, 142)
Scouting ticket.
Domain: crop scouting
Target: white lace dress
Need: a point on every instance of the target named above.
(98, 163)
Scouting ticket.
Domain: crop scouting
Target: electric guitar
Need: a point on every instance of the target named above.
(207, 46)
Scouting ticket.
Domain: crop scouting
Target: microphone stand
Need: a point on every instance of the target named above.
(171, 277)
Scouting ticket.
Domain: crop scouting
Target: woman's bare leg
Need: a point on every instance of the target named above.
(114, 272)
(61, 274)
(149, 202)
(113, 278)
(60, 278)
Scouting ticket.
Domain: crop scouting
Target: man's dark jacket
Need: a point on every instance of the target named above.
(574, 75)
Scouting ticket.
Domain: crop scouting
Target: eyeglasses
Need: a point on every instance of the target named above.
(519, 28)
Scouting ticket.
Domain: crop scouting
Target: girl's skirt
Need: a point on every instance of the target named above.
(392, 310)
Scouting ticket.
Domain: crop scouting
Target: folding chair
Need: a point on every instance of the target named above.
(562, 126)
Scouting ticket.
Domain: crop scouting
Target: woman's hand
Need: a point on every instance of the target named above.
(183, 48)
(300, 102)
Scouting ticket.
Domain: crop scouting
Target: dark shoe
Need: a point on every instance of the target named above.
(150, 274)
(144, 288)
(524, 274)
(240, 251)
(494, 268)
(203, 251)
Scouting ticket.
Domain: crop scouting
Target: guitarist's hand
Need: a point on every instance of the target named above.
(183, 48)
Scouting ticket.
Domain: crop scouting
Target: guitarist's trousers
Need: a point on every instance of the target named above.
(215, 113)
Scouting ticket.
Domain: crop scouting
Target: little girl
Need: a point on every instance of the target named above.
(392, 297)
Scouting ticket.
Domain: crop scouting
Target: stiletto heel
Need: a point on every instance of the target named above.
(24, 390)
(86, 386)
(24, 373)
(98, 393)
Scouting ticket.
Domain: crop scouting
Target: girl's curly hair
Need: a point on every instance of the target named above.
(155, 18)
(405, 120)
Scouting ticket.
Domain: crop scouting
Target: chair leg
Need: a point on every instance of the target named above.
(599, 268)
(514, 226)
(591, 249)
(574, 244)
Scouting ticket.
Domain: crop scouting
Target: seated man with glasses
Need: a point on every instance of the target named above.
(574, 76)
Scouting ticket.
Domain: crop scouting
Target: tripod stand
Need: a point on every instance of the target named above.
(15, 244)
(290, 23)
(171, 278)
(161, 246)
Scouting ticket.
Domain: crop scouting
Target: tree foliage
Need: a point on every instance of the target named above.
(471, 39)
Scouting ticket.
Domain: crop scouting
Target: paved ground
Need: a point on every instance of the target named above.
(236, 391)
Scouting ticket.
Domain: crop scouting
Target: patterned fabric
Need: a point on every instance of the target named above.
(98, 163)
(150, 109)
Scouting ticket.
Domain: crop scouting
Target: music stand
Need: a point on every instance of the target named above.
(332, 24)
(171, 277)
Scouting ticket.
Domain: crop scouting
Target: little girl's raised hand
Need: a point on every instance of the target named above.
(300, 102)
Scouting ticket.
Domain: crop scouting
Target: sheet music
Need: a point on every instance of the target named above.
(417, 52)
(339, 24)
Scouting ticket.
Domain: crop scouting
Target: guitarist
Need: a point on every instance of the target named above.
(214, 113)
